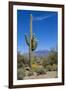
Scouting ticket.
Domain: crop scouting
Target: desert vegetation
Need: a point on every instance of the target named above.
(40, 66)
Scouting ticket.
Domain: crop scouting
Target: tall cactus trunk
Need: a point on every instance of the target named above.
(30, 51)
(31, 42)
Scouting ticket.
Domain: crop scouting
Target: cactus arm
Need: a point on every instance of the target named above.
(27, 40)
(34, 45)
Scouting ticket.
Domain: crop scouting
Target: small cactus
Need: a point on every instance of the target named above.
(31, 41)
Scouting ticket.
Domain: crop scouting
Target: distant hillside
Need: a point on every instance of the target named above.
(42, 53)
(39, 53)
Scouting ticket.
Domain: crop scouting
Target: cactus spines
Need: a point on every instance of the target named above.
(31, 41)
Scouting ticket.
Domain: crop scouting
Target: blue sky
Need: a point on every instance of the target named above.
(44, 25)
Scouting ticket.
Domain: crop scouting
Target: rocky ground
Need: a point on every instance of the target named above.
(49, 74)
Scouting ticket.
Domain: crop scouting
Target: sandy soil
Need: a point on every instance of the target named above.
(49, 74)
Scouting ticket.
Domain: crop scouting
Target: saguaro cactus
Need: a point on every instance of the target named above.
(31, 41)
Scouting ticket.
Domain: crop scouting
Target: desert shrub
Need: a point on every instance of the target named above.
(26, 61)
(20, 73)
(33, 60)
(20, 65)
(45, 61)
(52, 57)
(39, 60)
(22, 60)
(28, 71)
(54, 67)
(40, 70)
(49, 67)
(35, 67)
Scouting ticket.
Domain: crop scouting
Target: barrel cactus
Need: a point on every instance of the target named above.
(31, 41)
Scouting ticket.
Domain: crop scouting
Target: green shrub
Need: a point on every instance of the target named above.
(52, 57)
(28, 71)
(54, 67)
(20, 65)
(48, 67)
(40, 70)
(20, 73)
(45, 61)
(51, 67)
(22, 60)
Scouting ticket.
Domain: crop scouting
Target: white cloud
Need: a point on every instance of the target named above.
(41, 18)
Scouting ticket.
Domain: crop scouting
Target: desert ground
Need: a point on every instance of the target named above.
(49, 74)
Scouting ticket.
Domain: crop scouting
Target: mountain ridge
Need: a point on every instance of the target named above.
(39, 53)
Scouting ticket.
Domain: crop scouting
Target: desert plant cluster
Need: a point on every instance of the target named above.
(39, 65)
